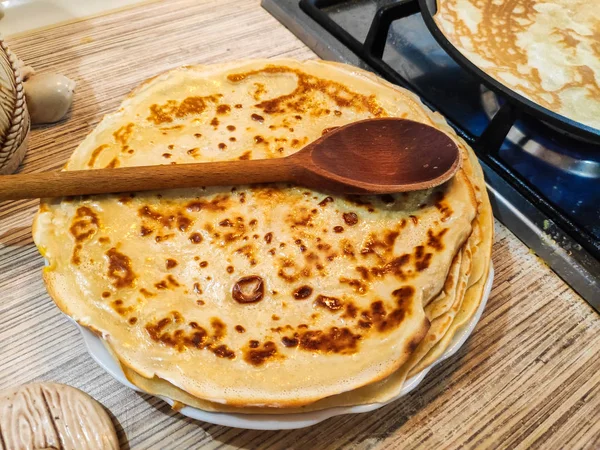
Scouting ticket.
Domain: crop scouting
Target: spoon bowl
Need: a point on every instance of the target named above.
(374, 156)
(380, 156)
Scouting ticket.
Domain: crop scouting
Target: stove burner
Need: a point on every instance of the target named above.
(521, 137)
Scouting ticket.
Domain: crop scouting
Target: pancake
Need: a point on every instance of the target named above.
(246, 296)
(548, 51)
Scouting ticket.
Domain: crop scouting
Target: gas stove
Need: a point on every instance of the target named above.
(543, 179)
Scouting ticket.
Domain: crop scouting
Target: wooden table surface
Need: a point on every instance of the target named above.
(529, 376)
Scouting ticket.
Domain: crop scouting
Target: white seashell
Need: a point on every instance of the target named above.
(49, 97)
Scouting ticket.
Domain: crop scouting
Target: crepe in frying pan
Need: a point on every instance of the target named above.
(547, 51)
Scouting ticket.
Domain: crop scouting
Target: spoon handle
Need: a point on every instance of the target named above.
(144, 178)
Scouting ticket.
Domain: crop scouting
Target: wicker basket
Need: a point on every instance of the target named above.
(14, 118)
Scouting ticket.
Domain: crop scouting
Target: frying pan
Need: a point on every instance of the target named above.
(579, 130)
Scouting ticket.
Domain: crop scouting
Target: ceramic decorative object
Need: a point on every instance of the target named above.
(14, 118)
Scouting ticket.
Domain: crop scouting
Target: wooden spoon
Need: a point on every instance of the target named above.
(375, 156)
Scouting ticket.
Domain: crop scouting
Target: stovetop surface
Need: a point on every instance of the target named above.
(566, 171)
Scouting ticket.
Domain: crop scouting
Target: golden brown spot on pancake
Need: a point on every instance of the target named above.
(422, 259)
(119, 269)
(350, 218)
(85, 224)
(238, 105)
(303, 292)
(394, 267)
(275, 317)
(404, 295)
(245, 156)
(289, 342)
(248, 289)
(351, 311)
(193, 151)
(223, 109)
(443, 207)
(299, 100)
(197, 337)
(214, 122)
(330, 303)
(117, 306)
(95, 154)
(114, 163)
(334, 340)
(435, 240)
(197, 135)
(197, 288)
(75, 259)
(300, 217)
(167, 219)
(325, 201)
(219, 203)
(338, 229)
(169, 281)
(163, 237)
(132, 320)
(257, 356)
(358, 286)
(258, 139)
(146, 293)
(105, 294)
(123, 134)
(174, 127)
(203, 264)
(166, 155)
(348, 249)
(390, 237)
(231, 127)
(257, 118)
(232, 139)
(166, 112)
(259, 90)
(145, 231)
(240, 329)
(126, 199)
(219, 328)
(170, 263)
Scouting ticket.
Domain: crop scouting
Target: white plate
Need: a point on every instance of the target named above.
(100, 354)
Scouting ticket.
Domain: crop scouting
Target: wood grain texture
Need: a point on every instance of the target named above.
(529, 376)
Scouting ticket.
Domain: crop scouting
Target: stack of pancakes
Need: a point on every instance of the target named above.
(270, 298)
